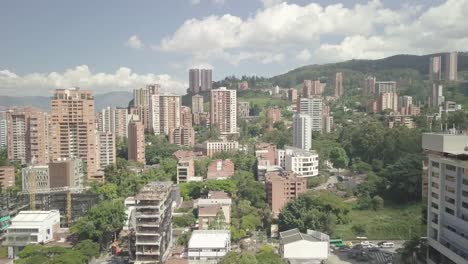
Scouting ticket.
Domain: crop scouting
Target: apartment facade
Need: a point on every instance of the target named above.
(182, 136)
(314, 108)
(66, 173)
(312, 88)
(338, 84)
(185, 170)
(136, 142)
(302, 131)
(451, 66)
(72, 128)
(211, 147)
(273, 115)
(435, 68)
(35, 177)
(153, 231)
(447, 203)
(185, 116)
(369, 85)
(7, 177)
(302, 162)
(106, 149)
(197, 104)
(281, 187)
(220, 169)
(224, 110)
(243, 109)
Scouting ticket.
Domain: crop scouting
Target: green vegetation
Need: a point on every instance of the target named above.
(80, 254)
(185, 220)
(392, 222)
(158, 148)
(266, 255)
(3, 252)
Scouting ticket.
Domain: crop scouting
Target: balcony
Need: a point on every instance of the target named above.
(148, 241)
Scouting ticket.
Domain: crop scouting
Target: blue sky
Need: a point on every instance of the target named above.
(117, 45)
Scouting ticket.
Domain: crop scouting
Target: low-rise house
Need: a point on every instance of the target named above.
(214, 210)
(296, 247)
(31, 227)
(220, 169)
(208, 246)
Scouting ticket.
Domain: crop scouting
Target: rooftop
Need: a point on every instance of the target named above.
(451, 143)
(208, 210)
(209, 239)
(31, 218)
(294, 235)
(154, 190)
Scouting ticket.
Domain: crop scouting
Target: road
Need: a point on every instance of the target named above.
(331, 180)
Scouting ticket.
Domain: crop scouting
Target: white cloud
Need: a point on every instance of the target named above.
(219, 2)
(328, 33)
(81, 76)
(134, 42)
(304, 55)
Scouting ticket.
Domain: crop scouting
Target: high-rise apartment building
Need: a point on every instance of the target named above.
(136, 141)
(311, 88)
(369, 85)
(224, 110)
(243, 109)
(165, 113)
(435, 68)
(436, 98)
(206, 79)
(386, 87)
(153, 231)
(185, 116)
(338, 84)
(197, 104)
(281, 187)
(182, 136)
(388, 101)
(3, 130)
(302, 131)
(72, 128)
(28, 136)
(105, 149)
(273, 115)
(447, 197)
(314, 108)
(120, 123)
(451, 66)
(141, 101)
(194, 81)
(292, 95)
(7, 177)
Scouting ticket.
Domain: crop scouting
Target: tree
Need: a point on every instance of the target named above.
(266, 255)
(101, 222)
(317, 211)
(33, 254)
(403, 179)
(184, 220)
(377, 203)
(413, 249)
(339, 158)
(359, 229)
(250, 189)
(239, 258)
(88, 248)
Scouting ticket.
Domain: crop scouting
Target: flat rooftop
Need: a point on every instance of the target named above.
(209, 239)
(456, 144)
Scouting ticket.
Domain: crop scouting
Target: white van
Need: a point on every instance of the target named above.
(387, 245)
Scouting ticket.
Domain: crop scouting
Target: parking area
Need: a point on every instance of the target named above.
(365, 254)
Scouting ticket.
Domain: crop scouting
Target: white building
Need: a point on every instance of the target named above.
(447, 203)
(224, 110)
(106, 149)
(302, 131)
(31, 227)
(302, 162)
(208, 246)
(211, 147)
(35, 176)
(3, 130)
(296, 247)
(314, 108)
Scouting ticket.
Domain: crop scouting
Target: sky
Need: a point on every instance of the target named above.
(120, 45)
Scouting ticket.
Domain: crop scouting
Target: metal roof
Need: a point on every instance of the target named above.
(209, 239)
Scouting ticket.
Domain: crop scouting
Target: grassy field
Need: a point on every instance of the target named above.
(393, 222)
(3, 252)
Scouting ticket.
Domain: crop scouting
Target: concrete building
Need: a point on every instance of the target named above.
(7, 177)
(451, 66)
(208, 246)
(281, 187)
(27, 135)
(369, 85)
(153, 213)
(206, 79)
(302, 162)
(339, 84)
(224, 110)
(185, 170)
(194, 81)
(243, 109)
(136, 142)
(312, 107)
(106, 149)
(35, 177)
(296, 247)
(435, 68)
(121, 118)
(328, 124)
(169, 114)
(243, 86)
(302, 131)
(66, 173)
(292, 95)
(72, 128)
(141, 102)
(447, 202)
(388, 101)
(436, 98)
(273, 115)
(266, 154)
(3, 130)
(211, 147)
(215, 210)
(186, 116)
(182, 136)
(386, 87)
(31, 227)
(197, 104)
(312, 88)
(400, 120)
(220, 169)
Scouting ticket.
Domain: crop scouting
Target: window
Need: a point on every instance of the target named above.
(435, 174)
(434, 205)
(450, 167)
(435, 195)
(465, 205)
(435, 164)
(450, 178)
(450, 189)
(435, 185)
(449, 200)
(449, 211)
